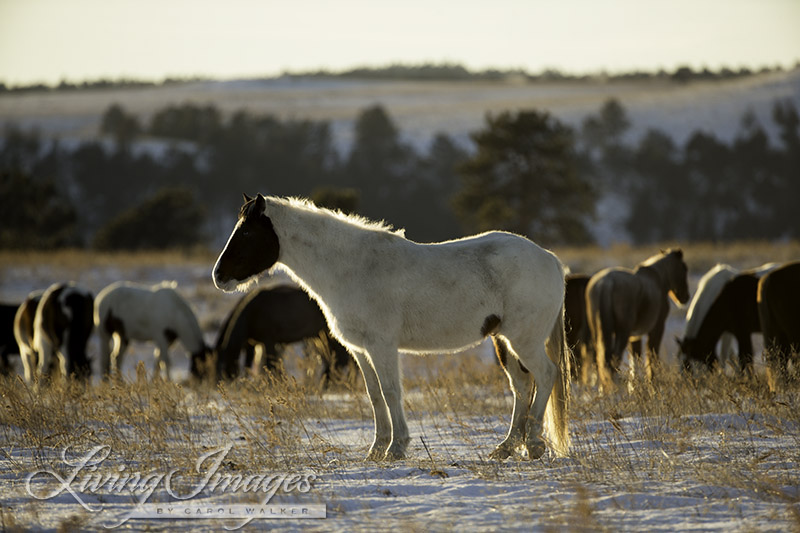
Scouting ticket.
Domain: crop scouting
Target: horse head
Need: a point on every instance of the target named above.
(202, 362)
(677, 274)
(251, 249)
(694, 349)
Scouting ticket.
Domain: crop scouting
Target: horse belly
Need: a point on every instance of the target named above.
(447, 322)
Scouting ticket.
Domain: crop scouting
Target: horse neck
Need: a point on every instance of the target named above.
(316, 246)
(654, 277)
(712, 326)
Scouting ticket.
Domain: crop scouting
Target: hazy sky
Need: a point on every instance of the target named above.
(50, 40)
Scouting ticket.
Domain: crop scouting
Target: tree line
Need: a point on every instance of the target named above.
(526, 172)
(423, 72)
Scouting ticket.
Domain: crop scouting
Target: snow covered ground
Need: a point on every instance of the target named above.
(711, 454)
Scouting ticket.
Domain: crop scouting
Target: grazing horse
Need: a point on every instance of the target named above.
(708, 288)
(624, 304)
(779, 311)
(8, 343)
(61, 327)
(265, 318)
(382, 293)
(126, 311)
(579, 337)
(724, 308)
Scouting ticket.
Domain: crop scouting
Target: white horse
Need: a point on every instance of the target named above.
(382, 293)
(126, 311)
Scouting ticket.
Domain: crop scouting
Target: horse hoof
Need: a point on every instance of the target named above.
(376, 453)
(501, 453)
(394, 456)
(536, 449)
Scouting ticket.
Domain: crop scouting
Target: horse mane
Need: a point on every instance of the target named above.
(359, 221)
(661, 255)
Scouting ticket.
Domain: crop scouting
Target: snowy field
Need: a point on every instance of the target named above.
(702, 453)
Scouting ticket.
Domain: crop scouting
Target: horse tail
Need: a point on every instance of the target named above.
(600, 314)
(556, 417)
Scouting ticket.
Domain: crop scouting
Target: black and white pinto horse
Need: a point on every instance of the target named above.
(623, 305)
(127, 311)
(779, 311)
(266, 318)
(723, 309)
(382, 293)
(55, 324)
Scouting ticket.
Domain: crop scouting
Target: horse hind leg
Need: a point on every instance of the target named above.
(29, 363)
(522, 385)
(117, 352)
(162, 361)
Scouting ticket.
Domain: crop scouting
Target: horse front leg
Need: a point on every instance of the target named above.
(162, 365)
(386, 362)
(380, 412)
(653, 362)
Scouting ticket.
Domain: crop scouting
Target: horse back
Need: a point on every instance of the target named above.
(626, 300)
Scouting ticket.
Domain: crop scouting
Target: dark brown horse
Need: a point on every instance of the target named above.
(623, 305)
(779, 310)
(8, 344)
(579, 336)
(734, 311)
(267, 318)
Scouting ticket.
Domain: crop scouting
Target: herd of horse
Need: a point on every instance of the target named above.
(367, 293)
(728, 306)
(52, 328)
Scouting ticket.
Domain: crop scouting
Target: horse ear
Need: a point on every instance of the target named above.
(261, 203)
(246, 198)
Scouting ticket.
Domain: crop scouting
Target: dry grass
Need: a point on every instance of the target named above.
(700, 434)
(282, 422)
